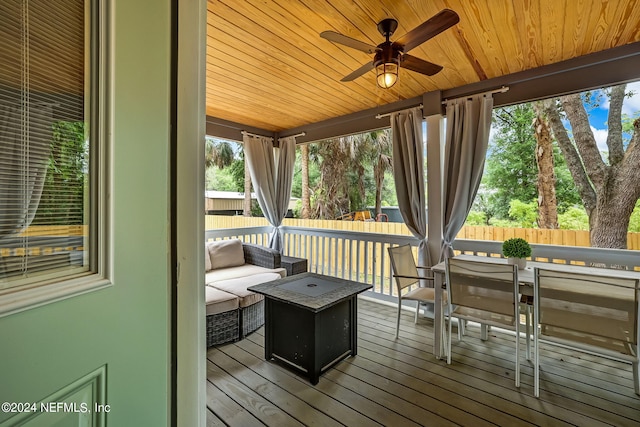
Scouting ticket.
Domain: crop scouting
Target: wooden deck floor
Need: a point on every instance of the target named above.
(399, 383)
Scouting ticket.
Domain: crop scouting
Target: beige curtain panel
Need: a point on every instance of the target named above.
(271, 171)
(467, 137)
(408, 173)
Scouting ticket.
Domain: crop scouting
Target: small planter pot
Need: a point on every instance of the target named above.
(520, 262)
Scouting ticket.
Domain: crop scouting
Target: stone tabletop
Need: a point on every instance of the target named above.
(312, 291)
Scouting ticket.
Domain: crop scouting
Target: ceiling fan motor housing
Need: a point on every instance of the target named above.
(387, 53)
(387, 27)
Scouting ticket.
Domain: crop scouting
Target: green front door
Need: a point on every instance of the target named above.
(102, 357)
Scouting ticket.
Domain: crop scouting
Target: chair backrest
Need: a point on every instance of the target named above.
(488, 290)
(589, 310)
(403, 264)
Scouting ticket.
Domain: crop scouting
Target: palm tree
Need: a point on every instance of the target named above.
(344, 165)
(382, 162)
(331, 193)
(217, 153)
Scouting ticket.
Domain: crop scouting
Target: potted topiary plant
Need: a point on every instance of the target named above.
(516, 250)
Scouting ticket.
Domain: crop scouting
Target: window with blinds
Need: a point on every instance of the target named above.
(45, 150)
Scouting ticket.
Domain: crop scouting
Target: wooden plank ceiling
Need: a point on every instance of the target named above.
(268, 67)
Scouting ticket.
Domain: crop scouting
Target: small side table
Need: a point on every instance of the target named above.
(293, 265)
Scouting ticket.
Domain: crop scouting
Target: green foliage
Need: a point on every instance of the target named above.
(342, 173)
(634, 221)
(476, 218)
(220, 181)
(511, 171)
(504, 223)
(297, 209)
(574, 218)
(510, 166)
(516, 248)
(314, 174)
(224, 162)
(63, 194)
(526, 214)
(218, 153)
(627, 127)
(256, 210)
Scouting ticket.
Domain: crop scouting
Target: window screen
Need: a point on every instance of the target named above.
(44, 144)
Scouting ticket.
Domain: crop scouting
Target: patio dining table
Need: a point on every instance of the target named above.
(525, 279)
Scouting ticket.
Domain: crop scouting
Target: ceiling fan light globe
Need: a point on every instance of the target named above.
(386, 74)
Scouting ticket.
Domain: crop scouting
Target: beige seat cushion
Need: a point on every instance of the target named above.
(239, 286)
(240, 271)
(226, 253)
(219, 301)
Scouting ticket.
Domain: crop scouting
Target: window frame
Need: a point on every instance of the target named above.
(43, 290)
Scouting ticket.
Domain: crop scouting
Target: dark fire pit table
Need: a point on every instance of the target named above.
(310, 321)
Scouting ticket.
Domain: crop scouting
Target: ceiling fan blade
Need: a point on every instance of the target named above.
(348, 41)
(432, 27)
(418, 65)
(357, 73)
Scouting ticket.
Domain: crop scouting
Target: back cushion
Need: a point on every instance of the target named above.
(207, 258)
(226, 253)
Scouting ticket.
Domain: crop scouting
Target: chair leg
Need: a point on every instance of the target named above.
(398, 318)
(449, 340)
(484, 332)
(536, 364)
(417, 312)
(518, 353)
(445, 337)
(636, 377)
(528, 331)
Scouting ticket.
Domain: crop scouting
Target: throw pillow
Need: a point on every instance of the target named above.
(226, 253)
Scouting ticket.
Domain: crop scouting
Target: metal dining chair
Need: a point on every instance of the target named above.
(587, 312)
(486, 293)
(407, 279)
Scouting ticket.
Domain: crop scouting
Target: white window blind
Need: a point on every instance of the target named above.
(44, 147)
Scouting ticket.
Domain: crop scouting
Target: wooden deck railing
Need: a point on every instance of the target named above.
(363, 256)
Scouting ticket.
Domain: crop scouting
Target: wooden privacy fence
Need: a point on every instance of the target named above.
(532, 235)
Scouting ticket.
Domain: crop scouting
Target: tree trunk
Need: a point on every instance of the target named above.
(609, 223)
(378, 173)
(246, 211)
(546, 183)
(306, 198)
(609, 191)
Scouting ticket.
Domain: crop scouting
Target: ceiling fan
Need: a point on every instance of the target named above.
(388, 55)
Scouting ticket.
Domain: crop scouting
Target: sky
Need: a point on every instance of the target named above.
(598, 116)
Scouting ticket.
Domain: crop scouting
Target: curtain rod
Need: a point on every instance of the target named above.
(295, 136)
(379, 116)
(489, 92)
(244, 132)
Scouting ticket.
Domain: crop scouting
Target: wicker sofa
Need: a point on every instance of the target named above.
(232, 266)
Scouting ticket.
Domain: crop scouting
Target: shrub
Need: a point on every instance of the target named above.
(476, 218)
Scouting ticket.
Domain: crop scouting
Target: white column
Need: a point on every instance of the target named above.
(435, 144)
